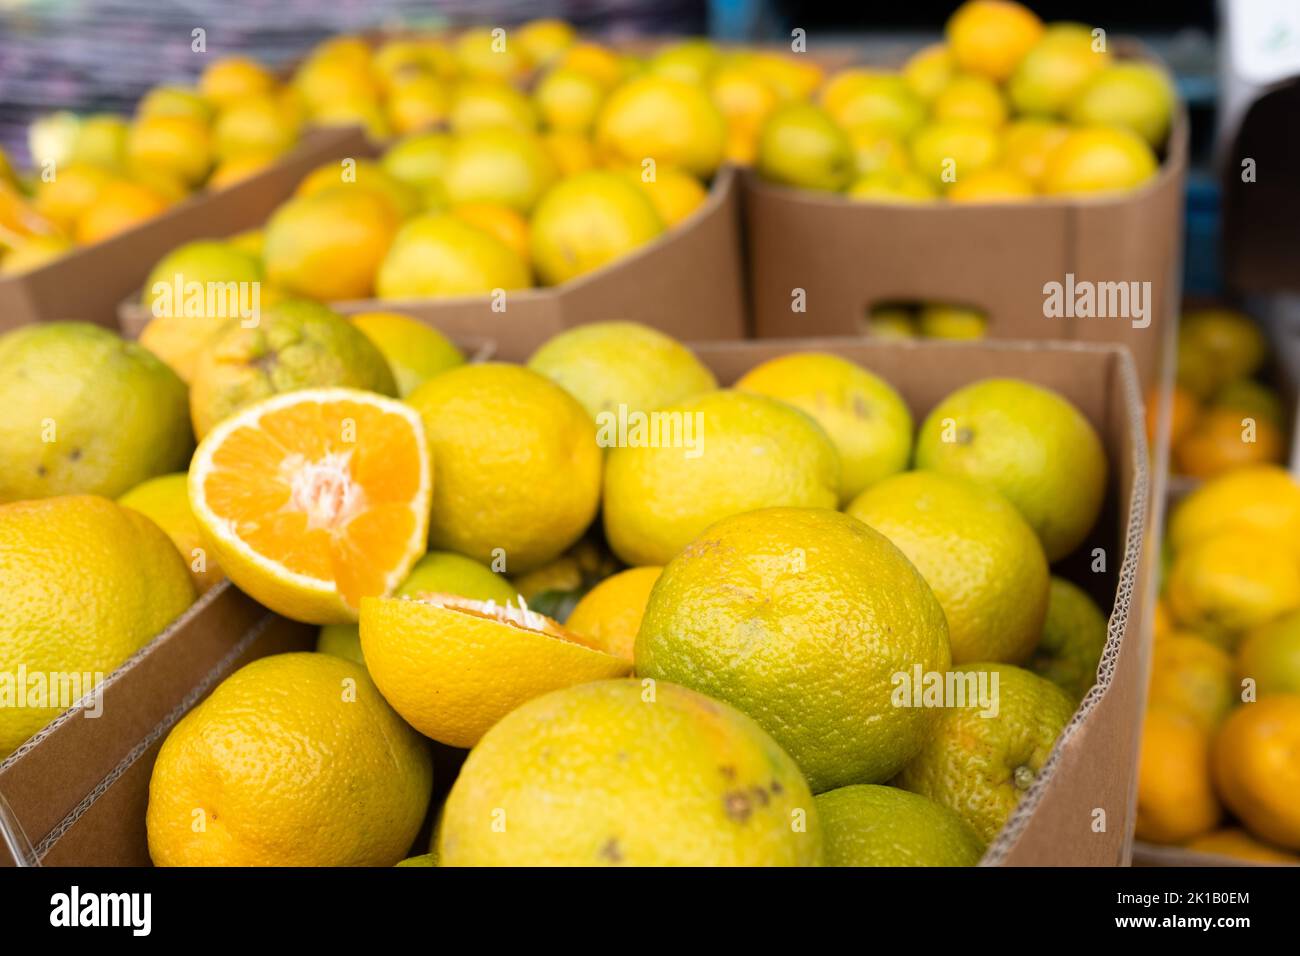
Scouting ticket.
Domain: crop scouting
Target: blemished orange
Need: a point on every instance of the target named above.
(312, 500)
(1175, 800)
(1256, 770)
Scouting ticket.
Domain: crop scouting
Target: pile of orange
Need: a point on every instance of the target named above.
(1221, 415)
(1219, 771)
(96, 176)
(1006, 109)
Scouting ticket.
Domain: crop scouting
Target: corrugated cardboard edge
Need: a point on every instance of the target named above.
(689, 282)
(44, 787)
(89, 282)
(1123, 627)
(197, 693)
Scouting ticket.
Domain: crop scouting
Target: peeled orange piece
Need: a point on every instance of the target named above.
(312, 500)
(453, 666)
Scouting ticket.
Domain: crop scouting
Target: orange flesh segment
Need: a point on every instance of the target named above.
(323, 489)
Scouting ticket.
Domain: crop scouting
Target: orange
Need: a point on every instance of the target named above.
(180, 145)
(1098, 159)
(1256, 768)
(609, 615)
(1163, 622)
(329, 245)
(1239, 844)
(970, 98)
(1221, 441)
(1027, 144)
(233, 78)
(1192, 675)
(453, 666)
(1183, 409)
(497, 220)
(991, 185)
(1270, 656)
(1175, 799)
(312, 500)
(991, 37)
(928, 70)
(119, 206)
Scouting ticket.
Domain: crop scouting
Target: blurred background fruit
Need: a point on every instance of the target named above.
(608, 365)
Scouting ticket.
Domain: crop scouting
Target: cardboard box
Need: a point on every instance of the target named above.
(848, 256)
(80, 789)
(88, 283)
(688, 283)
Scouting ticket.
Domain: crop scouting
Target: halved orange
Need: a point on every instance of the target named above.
(452, 666)
(312, 500)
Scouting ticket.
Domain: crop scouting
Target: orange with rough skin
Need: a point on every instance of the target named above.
(294, 760)
(802, 618)
(517, 463)
(87, 583)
